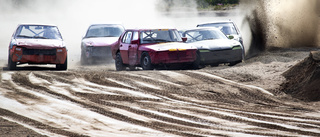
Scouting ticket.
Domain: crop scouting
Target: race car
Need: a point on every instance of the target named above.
(229, 28)
(37, 44)
(151, 48)
(96, 44)
(214, 47)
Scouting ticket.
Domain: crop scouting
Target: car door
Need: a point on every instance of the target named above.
(124, 47)
(133, 49)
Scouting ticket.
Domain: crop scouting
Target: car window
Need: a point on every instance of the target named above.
(104, 31)
(127, 37)
(135, 36)
(175, 36)
(38, 32)
(198, 35)
(227, 28)
(192, 36)
(123, 40)
(159, 36)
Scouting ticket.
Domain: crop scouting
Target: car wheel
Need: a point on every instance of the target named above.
(146, 61)
(196, 63)
(63, 66)
(234, 63)
(11, 65)
(132, 68)
(119, 63)
(83, 60)
(214, 64)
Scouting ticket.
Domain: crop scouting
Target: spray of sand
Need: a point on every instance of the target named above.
(281, 23)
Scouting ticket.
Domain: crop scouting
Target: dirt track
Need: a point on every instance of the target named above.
(242, 100)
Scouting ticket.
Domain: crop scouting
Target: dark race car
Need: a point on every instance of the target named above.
(96, 44)
(150, 48)
(214, 47)
(37, 44)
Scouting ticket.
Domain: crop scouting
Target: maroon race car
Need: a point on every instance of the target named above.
(37, 44)
(149, 48)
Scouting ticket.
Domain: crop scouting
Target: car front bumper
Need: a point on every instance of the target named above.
(173, 57)
(38, 56)
(220, 56)
(98, 52)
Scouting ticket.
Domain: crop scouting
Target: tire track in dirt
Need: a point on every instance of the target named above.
(182, 103)
(97, 109)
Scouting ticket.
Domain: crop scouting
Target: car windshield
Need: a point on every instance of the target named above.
(38, 32)
(159, 36)
(203, 34)
(104, 31)
(227, 28)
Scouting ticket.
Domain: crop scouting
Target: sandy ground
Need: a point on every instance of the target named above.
(243, 100)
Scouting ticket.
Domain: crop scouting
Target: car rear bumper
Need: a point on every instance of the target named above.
(39, 56)
(173, 57)
(221, 56)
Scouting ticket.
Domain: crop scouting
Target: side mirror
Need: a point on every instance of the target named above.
(231, 37)
(134, 41)
(184, 39)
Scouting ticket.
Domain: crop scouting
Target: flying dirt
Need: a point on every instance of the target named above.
(272, 93)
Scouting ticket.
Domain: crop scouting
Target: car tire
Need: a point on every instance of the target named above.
(83, 60)
(132, 68)
(234, 63)
(146, 61)
(214, 64)
(118, 62)
(11, 65)
(63, 66)
(196, 63)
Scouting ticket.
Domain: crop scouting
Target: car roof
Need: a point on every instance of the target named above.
(228, 21)
(37, 24)
(202, 28)
(106, 24)
(144, 29)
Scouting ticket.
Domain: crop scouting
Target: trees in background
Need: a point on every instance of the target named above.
(216, 2)
(211, 3)
(201, 4)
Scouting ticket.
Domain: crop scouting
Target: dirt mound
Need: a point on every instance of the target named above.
(303, 79)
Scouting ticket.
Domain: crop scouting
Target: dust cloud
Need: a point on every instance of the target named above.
(73, 18)
(263, 23)
(281, 23)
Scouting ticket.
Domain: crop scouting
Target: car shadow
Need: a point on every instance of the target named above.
(98, 62)
(31, 68)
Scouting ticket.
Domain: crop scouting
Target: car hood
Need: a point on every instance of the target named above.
(216, 44)
(170, 46)
(39, 43)
(99, 42)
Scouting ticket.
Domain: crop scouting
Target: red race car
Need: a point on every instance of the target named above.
(37, 44)
(149, 48)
